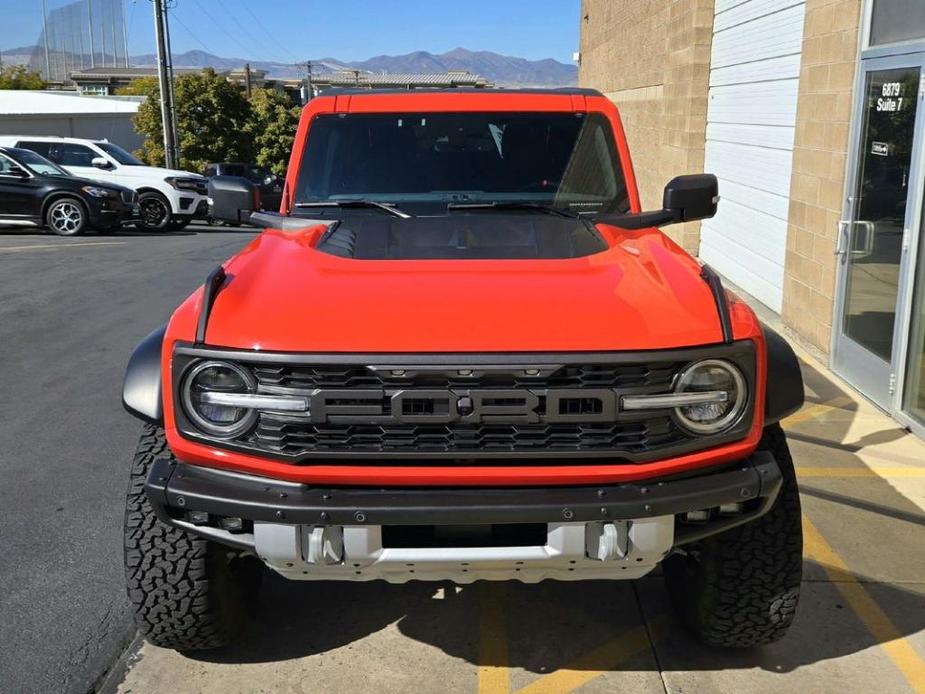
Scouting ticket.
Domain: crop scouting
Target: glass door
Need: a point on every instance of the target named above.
(874, 235)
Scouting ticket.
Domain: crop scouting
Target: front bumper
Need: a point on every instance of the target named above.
(304, 532)
(108, 213)
(195, 206)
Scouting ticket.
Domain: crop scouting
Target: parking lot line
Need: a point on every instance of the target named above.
(865, 607)
(57, 246)
(494, 673)
(605, 658)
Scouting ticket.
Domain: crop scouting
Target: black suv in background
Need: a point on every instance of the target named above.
(268, 183)
(34, 192)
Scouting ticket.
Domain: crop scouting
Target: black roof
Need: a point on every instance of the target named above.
(360, 91)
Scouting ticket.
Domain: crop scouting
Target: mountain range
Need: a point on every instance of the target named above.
(503, 70)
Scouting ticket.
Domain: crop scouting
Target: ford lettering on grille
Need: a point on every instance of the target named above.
(477, 406)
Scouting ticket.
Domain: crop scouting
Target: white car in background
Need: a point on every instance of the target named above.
(168, 199)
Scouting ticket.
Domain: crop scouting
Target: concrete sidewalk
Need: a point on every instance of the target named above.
(860, 628)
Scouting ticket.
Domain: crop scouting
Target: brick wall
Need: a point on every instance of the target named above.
(652, 58)
(830, 44)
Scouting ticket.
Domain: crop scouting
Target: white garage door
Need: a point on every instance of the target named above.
(754, 75)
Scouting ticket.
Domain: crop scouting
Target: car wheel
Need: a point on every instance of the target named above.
(153, 212)
(186, 592)
(66, 217)
(741, 588)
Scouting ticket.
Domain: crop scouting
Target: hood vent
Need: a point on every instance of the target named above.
(475, 236)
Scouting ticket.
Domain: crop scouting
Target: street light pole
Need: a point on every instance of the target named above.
(164, 81)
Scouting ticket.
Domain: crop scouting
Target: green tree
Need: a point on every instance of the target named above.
(271, 128)
(212, 116)
(20, 77)
(141, 86)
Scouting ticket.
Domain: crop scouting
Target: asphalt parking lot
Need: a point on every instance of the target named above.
(71, 311)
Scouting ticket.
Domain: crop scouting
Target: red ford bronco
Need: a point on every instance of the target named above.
(462, 351)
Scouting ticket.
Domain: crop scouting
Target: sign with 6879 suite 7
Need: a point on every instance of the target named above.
(891, 97)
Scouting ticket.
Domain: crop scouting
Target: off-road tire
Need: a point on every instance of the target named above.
(187, 593)
(741, 588)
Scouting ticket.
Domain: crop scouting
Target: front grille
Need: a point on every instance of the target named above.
(288, 436)
(294, 436)
(466, 409)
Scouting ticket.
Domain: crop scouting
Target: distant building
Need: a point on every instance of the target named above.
(398, 80)
(67, 114)
(104, 81)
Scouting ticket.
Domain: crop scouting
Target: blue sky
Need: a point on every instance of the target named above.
(347, 29)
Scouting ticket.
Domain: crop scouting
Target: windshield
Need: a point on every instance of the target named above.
(564, 159)
(39, 164)
(119, 154)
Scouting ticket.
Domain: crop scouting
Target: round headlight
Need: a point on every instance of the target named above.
(711, 376)
(217, 377)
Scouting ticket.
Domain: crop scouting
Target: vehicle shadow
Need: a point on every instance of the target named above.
(547, 626)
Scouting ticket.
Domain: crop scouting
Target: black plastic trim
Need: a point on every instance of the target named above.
(742, 353)
(141, 388)
(785, 394)
(209, 292)
(184, 487)
(719, 296)
(464, 359)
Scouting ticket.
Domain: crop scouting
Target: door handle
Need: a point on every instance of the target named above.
(841, 241)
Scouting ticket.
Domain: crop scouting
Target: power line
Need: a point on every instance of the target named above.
(189, 31)
(275, 39)
(221, 28)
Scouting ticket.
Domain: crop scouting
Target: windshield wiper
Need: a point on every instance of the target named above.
(502, 205)
(357, 203)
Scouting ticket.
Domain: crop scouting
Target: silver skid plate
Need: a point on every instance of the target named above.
(623, 549)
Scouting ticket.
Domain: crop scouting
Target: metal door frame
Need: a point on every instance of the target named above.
(857, 365)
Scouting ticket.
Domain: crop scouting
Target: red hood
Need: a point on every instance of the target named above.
(643, 292)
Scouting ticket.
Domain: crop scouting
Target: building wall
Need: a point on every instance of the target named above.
(830, 46)
(652, 59)
(115, 127)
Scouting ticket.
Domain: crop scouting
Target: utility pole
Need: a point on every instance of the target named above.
(164, 80)
(247, 80)
(172, 92)
(308, 79)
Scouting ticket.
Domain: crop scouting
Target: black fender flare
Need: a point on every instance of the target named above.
(142, 394)
(784, 394)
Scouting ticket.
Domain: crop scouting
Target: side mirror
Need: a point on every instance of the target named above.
(234, 199)
(693, 197)
(101, 163)
(686, 199)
